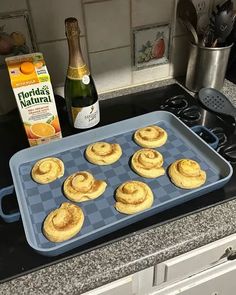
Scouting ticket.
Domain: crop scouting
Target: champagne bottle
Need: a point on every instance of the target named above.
(80, 91)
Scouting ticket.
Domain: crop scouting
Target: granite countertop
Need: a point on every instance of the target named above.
(134, 253)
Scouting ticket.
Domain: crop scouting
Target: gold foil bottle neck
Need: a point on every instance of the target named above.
(72, 27)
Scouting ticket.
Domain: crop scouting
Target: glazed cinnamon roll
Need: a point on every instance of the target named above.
(47, 170)
(82, 186)
(150, 136)
(103, 153)
(63, 223)
(148, 163)
(187, 173)
(133, 197)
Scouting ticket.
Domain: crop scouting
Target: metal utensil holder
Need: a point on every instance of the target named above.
(206, 67)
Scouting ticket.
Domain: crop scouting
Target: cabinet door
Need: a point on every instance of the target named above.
(119, 287)
(193, 262)
(220, 283)
(220, 280)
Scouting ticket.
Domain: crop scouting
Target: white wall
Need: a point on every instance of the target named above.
(106, 36)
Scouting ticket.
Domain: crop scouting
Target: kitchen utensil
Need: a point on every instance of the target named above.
(36, 201)
(186, 11)
(216, 101)
(188, 15)
(227, 5)
(208, 37)
(222, 22)
(191, 29)
(202, 27)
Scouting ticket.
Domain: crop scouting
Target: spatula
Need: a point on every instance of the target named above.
(187, 13)
(217, 102)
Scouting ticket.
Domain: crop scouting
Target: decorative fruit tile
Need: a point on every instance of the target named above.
(151, 46)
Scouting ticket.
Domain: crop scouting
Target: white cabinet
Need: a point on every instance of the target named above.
(204, 271)
(194, 261)
(219, 280)
(119, 287)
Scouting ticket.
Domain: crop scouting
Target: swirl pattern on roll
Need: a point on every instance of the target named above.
(103, 153)
(133, 197)
(82, 186)
(187, 174)
(150, 136)
(47, 170)
(63, 223)
(148, 163)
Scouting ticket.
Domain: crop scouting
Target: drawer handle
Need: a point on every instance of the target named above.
(230, 253)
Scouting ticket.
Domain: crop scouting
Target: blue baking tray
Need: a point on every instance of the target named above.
(37, 200)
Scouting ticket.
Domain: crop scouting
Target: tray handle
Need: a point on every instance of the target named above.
(207, 135)
(8, 217)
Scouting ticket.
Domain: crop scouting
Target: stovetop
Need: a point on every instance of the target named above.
(17, 257)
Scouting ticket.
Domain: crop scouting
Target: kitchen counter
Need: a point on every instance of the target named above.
(136, 252)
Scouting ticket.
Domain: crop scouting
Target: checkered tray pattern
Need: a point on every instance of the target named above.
(100, 214)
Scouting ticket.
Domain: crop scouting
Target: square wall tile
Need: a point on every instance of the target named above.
(12, 5)
(57, 57)
(151, 74)
(145, 12)
(108, 24)
(49, 17)
(89, 1)
(179, 56)
(111, 69)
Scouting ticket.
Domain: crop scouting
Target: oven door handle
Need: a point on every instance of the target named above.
(8, 191)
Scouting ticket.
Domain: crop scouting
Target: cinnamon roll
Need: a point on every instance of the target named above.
(47, 170)
(63, 223)
(103, 153)
(82, 186)
(133, 197)
(187, 173)
(148, 163)
(150, 136)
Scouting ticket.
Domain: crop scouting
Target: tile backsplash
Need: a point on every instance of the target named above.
(107, 40)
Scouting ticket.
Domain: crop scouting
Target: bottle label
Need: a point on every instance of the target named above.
(77, 73)
(86, 79)
(86, 117)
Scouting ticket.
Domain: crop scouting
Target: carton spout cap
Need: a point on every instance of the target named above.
(27, 68)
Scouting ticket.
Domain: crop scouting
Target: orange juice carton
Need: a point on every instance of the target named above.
(34, 96)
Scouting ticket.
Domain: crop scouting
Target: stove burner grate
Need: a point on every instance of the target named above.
(174, 103)
(179, 105)
(219, 132)
(229, 152)
(191, 115)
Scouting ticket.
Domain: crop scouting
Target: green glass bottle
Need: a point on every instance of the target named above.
(80, 91)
